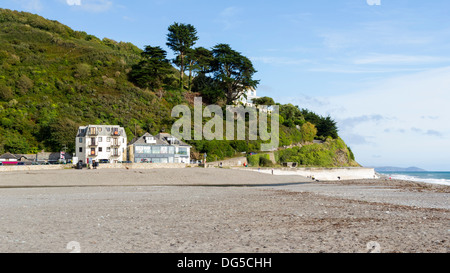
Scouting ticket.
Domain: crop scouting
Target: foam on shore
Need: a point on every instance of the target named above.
(325, 174)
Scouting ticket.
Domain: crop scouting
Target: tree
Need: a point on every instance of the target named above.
(152, 70)
(291, 114)
(180, 39)
(327, 128)
(208, 88)
(264, 101)
(309, 132)
(198, 62)
(233, 72)
(202, 60)
(62, 132)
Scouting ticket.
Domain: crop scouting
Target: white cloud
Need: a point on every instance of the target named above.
(229, 17)
(399, 119)
(396, 59)
(280, 60)
(73, 2)
(91, 5)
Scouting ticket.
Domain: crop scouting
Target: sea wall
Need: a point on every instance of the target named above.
(143, 166)
(17, 168)
(329, 174)
(233, 162)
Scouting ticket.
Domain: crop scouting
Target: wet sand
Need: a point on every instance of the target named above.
(217, 210)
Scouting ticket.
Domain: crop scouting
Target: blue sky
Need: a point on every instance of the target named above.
(381, 71)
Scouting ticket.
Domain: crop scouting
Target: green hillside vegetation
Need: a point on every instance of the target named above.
(54, 79)
(332, 153)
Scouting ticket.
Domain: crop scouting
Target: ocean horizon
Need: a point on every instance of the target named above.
(435, 177)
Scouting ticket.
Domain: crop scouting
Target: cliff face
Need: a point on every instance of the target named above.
(331, 153)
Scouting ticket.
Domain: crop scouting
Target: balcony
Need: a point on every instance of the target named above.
(93, 144)
(115, 144)
(92, 154)
(115, 154)
(115, 133)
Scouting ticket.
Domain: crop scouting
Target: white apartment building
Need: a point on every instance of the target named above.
(102, 143)
(247, 101)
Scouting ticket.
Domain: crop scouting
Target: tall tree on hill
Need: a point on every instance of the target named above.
(152, 69)
(181, 38)
(233, 71)
(327, 127)
(198, 62)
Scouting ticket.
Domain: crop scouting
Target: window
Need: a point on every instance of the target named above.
(92, 151)
(100, 149)
(108, 139)
(139, 149)
(182, 151)
(108, 129)
(80, 140)
(147, 150)
(80, 149)
(156, 150)
(100, 139)
(108, 149)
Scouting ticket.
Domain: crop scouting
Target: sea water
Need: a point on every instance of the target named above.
(442, 178)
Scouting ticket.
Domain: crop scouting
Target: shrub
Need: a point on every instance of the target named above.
(309, 132)
(261, 160)
(253, 160)
(5, 93)
(82, 70)
(24, 84)
(264, 161)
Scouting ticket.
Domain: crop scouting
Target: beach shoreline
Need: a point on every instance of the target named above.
(217, 211)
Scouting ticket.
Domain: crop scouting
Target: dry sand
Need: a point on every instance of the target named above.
(210, 210)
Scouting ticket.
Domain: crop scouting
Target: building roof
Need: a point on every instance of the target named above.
(171, 139)
(101, 130)
(8, 156)
(141, 140)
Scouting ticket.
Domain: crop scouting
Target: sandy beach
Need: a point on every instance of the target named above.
(217, 210)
